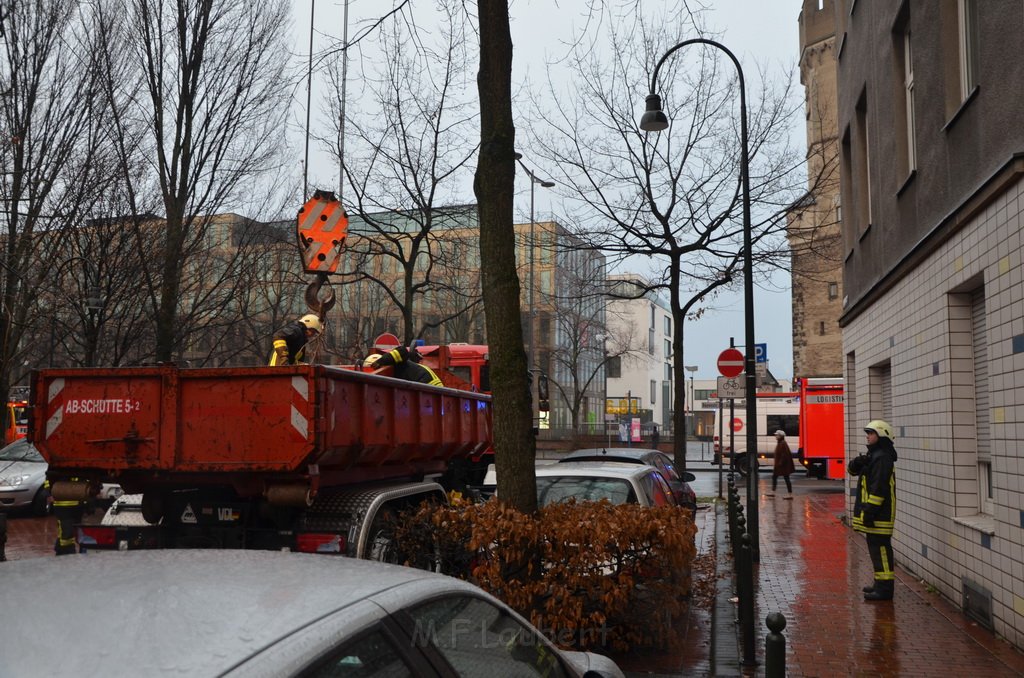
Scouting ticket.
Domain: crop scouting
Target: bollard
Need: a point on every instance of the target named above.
(3, 536)
(747, 602)
(775, 646)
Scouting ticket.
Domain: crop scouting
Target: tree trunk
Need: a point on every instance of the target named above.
(494, 187)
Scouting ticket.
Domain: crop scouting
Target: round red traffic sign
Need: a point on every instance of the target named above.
(386, 342)
(737, 424)
(730, 362)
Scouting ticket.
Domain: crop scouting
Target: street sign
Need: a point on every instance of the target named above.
(760, 353)
(386, 342)
(730, 362)
(737, 424)
(731, 387)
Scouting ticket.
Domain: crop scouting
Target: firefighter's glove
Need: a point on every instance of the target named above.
(857, 464)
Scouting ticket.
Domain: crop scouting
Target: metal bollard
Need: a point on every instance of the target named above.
(747, 602)
(775, 646)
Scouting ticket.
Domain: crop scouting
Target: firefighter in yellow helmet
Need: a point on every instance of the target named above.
(291, 340)
(874, 509)
(406, 363)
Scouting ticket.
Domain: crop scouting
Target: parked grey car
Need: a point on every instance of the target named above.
(22, 478)
(680, 483)
(263, 613)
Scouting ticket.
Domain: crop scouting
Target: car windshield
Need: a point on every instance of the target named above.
(551, 490)
(20, 450)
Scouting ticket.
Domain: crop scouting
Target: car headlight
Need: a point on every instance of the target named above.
(13, 481)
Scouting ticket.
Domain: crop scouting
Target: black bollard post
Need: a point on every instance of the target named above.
(747, 603)
(775, 646)
(3, 536)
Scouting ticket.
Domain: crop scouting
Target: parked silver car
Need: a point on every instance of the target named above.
(679, 482)
(263, 613)
(22, 478)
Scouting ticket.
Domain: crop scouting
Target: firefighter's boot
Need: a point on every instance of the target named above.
(869, 589)
(883, 590)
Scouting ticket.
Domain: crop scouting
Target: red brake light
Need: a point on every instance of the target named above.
(96, 535)
(319, 542)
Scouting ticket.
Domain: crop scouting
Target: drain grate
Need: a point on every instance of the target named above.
(977, 603)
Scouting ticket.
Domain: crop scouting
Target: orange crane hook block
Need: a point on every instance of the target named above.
(322, 227)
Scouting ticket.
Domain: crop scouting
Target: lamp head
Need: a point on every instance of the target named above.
(654, 119)
(547, 184)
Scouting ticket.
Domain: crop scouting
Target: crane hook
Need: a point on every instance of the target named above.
(313, 300)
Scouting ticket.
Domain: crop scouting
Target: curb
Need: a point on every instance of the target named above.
(725, 651)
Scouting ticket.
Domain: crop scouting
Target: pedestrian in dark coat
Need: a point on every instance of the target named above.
(874, 509)
(783, 465)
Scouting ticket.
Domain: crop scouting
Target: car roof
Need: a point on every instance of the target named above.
(189, 612)
(638, 454)
(616, 469)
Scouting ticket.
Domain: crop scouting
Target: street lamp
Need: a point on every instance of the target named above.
(534, 180)
(655, 120)
(693, 415)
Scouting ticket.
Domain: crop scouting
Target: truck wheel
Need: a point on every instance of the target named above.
(152, 507)
(742, 465)
(40, 505)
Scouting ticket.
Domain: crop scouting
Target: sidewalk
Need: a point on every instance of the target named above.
(811, 570)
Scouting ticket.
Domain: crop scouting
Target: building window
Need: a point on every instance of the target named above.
(862, 183)
(833, 290)
(908, 143)
(967, 19)
(614, 367)
(821, 328)
(654, 391)
(668, 371)
(652, 317)
(668, 349)
(979, 342)
(650, 341)
(668, 326)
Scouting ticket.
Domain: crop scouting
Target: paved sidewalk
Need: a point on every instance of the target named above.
(811, 570)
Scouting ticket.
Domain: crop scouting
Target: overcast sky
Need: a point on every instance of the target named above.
(759, 32)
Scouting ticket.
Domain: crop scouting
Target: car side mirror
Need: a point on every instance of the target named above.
(689, 477)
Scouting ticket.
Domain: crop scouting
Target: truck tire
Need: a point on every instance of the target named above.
(40, 505)
(742, 465)
(152, 507)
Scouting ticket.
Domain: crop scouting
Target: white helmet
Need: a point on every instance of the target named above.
(880, 427)
(312, 322)
(780, 434)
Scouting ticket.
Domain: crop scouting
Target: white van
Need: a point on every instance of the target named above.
(775, 412)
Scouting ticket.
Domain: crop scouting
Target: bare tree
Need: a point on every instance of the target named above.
(208, 119)
(410, 150)
(675, 196)
(50, 154)
(495, 189)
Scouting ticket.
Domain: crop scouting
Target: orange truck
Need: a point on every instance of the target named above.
(16, 423)
(822, 438)
(309, 457)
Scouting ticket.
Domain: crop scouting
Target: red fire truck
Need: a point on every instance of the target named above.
(821, 427)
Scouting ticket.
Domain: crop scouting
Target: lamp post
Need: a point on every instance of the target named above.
(534, 180)
(655, 120)
(693, 415)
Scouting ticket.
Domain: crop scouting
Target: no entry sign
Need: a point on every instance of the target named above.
(737, 424)
(730, 362)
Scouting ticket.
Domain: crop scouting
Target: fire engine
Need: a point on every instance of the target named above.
(811, 417)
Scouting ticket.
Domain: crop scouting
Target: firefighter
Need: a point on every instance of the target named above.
(406, 365)
(291, 340)
(68, 514)
(874, 510)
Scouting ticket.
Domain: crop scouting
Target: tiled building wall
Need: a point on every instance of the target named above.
(919, 329)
